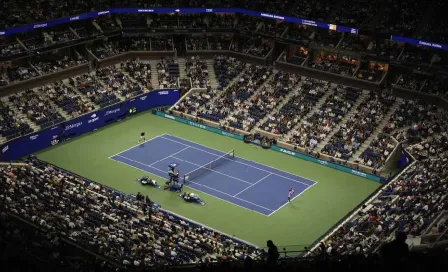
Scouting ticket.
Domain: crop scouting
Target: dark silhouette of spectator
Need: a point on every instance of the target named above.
(395, 251)
(273, 254)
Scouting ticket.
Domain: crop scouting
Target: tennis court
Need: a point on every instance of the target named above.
(242, 182)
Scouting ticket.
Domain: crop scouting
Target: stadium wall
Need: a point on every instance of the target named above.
(323, 160)
(34, 142)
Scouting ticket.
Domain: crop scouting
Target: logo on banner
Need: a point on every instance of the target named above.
(358, 173)
(287, 152)
(54, 142)
(164, 93)
(170, 117)
(73, 126)
(143, 98)
(2, 33)
(34, 137)
(5, 149)
(109, 112)
(103, 12)
(94, 118)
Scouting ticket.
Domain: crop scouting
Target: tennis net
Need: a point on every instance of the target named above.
(209, 166)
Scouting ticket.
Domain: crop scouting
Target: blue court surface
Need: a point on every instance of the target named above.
(244, 183)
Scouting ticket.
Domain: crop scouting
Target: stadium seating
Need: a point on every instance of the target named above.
(250, 80)
(12, 126)
(54, 200)
(226, 69)
(168, 73)
(196, 69)
(37, 108)
(301, 111)
(359, 127)
(262, 101)
(296, 108)
(318, 125)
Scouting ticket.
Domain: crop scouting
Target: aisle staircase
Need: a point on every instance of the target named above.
(364, 95)
(154, 74)
(182, 67)
(377, 131)
(314, 109)
(211, 74)
(295, 90)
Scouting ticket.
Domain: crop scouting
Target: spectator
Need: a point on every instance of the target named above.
(396, 251)
(273, 254)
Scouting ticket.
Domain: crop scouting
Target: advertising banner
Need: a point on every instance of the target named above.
(29, 144)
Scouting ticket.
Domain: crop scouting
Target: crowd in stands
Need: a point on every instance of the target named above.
(414, 118)
(135, 44)
(168, 71)
(12, 126)
(196, 69)
(344, 66)
(68, 99)
(226, 69)
(253, 46)
(415, 121)
(197, 43)
(191, 104)
(57, 64)
(105, 50)
(135, 233)
(263, 101)
(220, 42)
(10, 47)
(407, 205)
(90, 86)
(37, 108)
(250, 80)
(162, 44)
(358, 127)
(19, 73)
(316, 128)
(296, 108)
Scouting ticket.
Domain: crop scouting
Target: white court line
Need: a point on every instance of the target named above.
(211, 170)
(264, 170)
(170, 155)
(252, 185)
(230, 195)
(185, 185)
(291, 200)
(153, 138)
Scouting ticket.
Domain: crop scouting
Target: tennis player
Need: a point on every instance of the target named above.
(290, 194)
(142, 137)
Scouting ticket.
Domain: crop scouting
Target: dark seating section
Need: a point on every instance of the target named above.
(197, 43)
(12, 126)
(226, 69)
